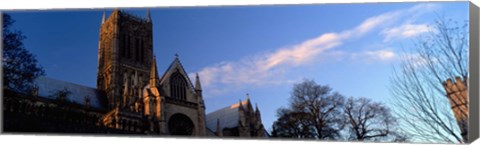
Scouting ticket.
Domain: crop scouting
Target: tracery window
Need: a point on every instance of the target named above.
(178, 86)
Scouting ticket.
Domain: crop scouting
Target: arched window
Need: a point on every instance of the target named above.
(178, 86)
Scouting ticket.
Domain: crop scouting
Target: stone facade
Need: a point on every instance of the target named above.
(125, 56)
(131, 97)
(457, 95)
(127, 72)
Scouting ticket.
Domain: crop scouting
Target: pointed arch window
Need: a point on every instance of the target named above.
(178, 86)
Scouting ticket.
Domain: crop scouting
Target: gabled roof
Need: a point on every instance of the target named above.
(228, 116)
(48, 86)
(176, 64)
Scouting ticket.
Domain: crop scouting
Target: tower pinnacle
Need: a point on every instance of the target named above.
(103, 17)
(219, 129)
(198, 87)
(148, 16)
(154, 73)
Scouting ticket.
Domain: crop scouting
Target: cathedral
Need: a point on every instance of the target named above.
(128, 75)
(131, 97)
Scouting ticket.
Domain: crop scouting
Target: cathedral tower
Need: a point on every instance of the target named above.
(125, 55)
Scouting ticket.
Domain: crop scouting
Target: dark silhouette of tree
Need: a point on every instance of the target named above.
(369, 121)
(20, 67)
(62, 95)
(292, 125)
(420, 100)
(314, 112)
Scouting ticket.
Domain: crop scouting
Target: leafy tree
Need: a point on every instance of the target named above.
(20, 67)
(419, 96)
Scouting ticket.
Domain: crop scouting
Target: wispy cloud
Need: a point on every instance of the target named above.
(417, 61)
(405, 31)
(270, 67)
(384, 55)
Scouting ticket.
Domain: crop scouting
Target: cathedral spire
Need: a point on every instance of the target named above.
(248, 98)
(103, 17)
(198, 87)
(258, 116)
(240, 104)
(257, 111)
(219, 129)
(154, 73)
(148, 16)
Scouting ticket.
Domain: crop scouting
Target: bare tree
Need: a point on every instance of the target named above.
(420, 99)
(314, 112)
(20, 67)
(292, 125)
(369, 121)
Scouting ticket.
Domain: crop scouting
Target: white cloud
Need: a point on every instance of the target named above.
(417, 61)
(383, 55)
(300, 53)
(405, 31)
(270, 67)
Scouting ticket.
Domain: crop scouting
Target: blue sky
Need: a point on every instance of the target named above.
(260, 50)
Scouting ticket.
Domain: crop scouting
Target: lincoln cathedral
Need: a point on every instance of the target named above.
(131, 96)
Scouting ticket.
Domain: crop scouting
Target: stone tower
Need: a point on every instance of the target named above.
(125, 55)
(457, 95)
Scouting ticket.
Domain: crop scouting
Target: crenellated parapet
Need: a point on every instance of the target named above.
(457, 94)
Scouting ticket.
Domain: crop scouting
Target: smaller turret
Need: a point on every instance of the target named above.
(148, 16)
(154, 73)
(198, 87)
(103, 17)
(240, 105)
(257, 111)
(219, 131)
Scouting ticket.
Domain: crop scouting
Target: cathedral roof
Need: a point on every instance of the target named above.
(47, 87)
(228, 116)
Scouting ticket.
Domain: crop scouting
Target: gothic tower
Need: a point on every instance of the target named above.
(125, 55)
